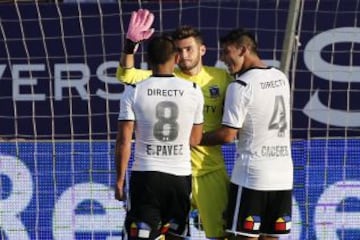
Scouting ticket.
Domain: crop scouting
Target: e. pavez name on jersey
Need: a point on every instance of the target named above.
(164, 150)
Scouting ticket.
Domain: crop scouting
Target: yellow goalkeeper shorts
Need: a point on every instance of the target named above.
(210, 197)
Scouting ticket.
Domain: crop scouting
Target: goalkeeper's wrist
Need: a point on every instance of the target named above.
(130, 46)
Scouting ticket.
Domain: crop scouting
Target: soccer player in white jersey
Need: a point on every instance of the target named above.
(166, 113)
(257, 113)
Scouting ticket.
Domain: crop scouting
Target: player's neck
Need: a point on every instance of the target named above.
(164, 69)
(254, 62)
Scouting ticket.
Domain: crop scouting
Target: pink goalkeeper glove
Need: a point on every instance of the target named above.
(139, 26)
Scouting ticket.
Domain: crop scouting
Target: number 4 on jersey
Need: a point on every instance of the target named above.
(278, 119)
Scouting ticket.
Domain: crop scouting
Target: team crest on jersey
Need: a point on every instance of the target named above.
(214, 91)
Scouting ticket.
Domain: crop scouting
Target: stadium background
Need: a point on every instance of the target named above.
(59, 102)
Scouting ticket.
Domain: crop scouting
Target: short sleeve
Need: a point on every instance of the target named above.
(126, 104)
(199, 117)
(236, 104)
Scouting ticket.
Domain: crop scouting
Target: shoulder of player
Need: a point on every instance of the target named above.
(130, 85)
(221, 75)
(141, 84)
(187, 83)
(240, 82)
(245, 78)
(215, 70)
(131, 75)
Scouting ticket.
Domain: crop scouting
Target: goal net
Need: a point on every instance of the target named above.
(59, 101)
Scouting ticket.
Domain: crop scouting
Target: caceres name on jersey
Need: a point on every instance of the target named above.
(275, 151)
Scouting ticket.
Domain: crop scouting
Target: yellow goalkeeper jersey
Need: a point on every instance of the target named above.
(213, 82)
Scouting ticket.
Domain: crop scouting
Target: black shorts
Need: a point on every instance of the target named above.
(159, 204)
(251, 212)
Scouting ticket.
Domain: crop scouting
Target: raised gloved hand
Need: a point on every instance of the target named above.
(139, 26)
(139, 29)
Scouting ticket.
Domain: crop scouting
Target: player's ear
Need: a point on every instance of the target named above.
(202, 50)
(242, 50)
(177, 58)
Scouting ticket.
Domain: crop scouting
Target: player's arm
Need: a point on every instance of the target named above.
(235, 108)
(126, 71)
(220, 136)
(122, 156)
(197, 129)
(196, 135)
(139, 30)
(131, 75)
(127, 60)
(126, 123)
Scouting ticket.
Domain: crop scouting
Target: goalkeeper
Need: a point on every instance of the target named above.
(210, 181)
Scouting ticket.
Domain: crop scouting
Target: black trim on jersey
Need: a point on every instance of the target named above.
(241, 82)
(163, 75)
(130, 84)
(195, 85)
(230, 126)
(255, 67)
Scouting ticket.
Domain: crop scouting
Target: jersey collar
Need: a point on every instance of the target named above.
(251, 68)
(163, 75)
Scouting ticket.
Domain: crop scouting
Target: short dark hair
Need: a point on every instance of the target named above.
(240, 37)
(160, 49)
(186, 31)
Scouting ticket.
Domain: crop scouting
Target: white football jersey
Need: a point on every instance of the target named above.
(258, 103)
(165, 110)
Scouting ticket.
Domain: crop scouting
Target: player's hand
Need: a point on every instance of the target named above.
(139, 26)
(120, 191)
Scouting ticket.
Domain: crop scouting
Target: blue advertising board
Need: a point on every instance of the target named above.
(69, 195)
